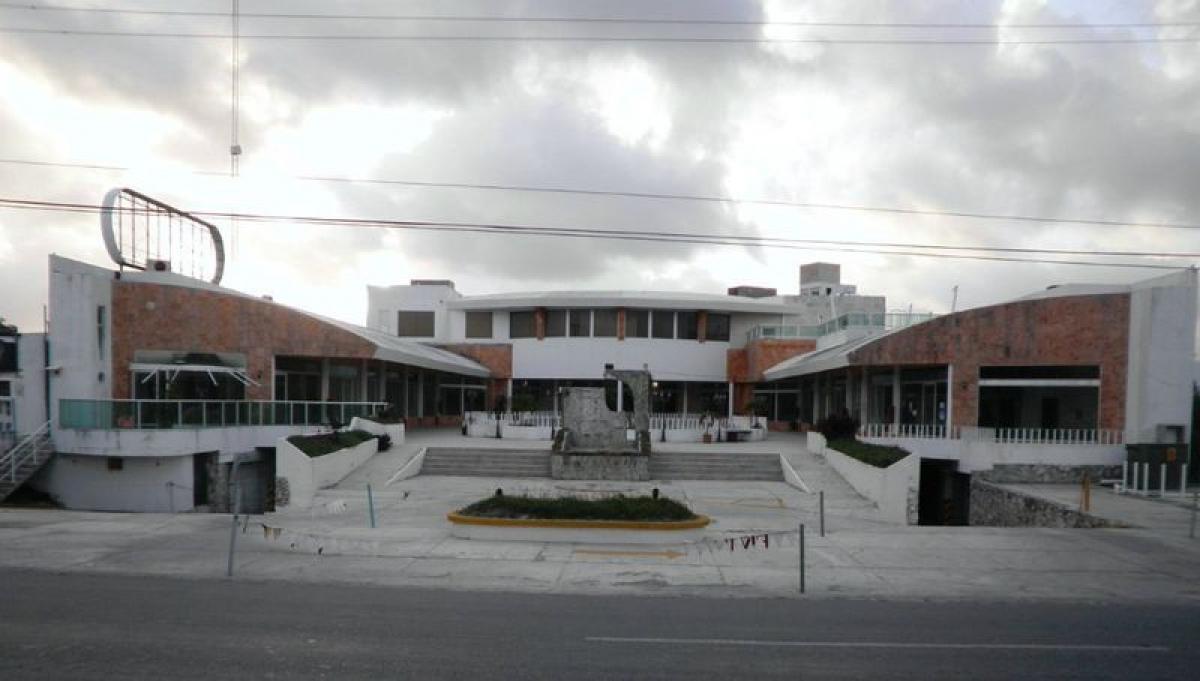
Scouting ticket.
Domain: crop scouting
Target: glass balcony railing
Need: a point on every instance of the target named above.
(881, 320)
(157, 414)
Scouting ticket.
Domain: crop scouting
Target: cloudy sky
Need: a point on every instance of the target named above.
(1092, 131)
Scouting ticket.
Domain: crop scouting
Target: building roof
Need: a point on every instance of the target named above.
(835, 357)
(667, 300)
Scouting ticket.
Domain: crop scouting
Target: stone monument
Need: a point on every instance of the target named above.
(593, 444)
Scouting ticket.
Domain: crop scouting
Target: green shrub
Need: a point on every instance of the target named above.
(838, 427)
(328, 443)
(618, 507)
(880, 456)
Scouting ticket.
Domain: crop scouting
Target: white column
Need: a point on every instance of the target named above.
(729, 402)
(816, 399)
(864, 397)
(620, 396)
(896, 397)
(362, 381)
(420, 392)
(324, 379)
(685, 392)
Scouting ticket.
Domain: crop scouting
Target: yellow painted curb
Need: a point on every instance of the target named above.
(668, 525)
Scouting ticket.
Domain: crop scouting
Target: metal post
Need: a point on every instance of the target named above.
(371, 505)
(802, 551)
(237, 509)
(821, 496)
(1125, 476)
(1183, 481)
(1162, 480)
(1146, 478)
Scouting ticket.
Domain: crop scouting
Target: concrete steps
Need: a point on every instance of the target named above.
(24, 472)
(488, 463)
(715, 466)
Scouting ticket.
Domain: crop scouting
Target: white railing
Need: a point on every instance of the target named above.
(918, 431)
(1059, 436)
(484, 421)
(1029, 436)
(156, 414)
(532, 419)
(32, 447)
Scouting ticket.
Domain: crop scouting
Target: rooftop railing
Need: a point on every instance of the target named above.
(159, 414)
(881, 320)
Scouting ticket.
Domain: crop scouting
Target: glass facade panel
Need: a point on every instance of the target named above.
(716, 327)
(664, 324)
(581, 323)
(687, 328)
(414, 323)
(605, 323)
(479, 324)
(556, 323)
(637, 323)
(521, 324)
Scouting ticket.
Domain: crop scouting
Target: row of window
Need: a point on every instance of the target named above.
(577, 323)
(602, 323)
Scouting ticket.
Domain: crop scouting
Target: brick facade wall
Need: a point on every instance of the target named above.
(498, 360)
(1091, 330)
(159, 317)
(746, 365)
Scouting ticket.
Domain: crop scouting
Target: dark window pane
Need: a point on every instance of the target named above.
(1044, 371)
(520, 324)
(637, 323)
(479, 324)
(687, 325)
(581, 322)
(717, 327)
(418, 323)
(605, 322)
(664, 324)
(556, 323)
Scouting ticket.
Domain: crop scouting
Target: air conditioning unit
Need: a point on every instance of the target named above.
(155, 265)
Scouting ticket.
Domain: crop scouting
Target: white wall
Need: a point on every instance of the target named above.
(306, 475)
(981, 455)
(171, 441)
(584, 358)
(890, 488)
(76, 289)
(391, 299)
(85, 483)
(1162, 338)
(28, 384)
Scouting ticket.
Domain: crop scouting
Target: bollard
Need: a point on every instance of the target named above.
(371, 505)
(1085, 494)
(822, 499)
(1146, 479)
(802, 552)
(1124, 477)
(1162, 481)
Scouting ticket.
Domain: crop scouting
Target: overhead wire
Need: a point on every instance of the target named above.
(640, 235)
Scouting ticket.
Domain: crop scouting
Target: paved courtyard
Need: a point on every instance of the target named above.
(859, 556)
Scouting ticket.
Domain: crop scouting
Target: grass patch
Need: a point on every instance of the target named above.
(880, 456)
(328, 443)
(618, 507)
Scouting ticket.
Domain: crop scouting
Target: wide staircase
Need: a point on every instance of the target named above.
(489, 463)
(24, 459)
(714, 466)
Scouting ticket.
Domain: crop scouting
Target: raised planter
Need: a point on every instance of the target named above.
(305, 475)
(893, 489)
(393, 430)
(579, 531)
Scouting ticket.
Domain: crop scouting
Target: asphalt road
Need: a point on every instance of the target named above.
(87, 626)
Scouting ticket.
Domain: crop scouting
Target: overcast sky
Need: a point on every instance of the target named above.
(1101, 131)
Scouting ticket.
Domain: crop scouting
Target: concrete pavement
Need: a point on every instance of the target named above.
(860, 555)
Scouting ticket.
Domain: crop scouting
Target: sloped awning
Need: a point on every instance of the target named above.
(173, 370)
(394, 349)
(825, 359)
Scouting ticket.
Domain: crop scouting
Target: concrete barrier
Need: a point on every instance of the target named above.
(393, 430)
(305, 475)
(893, 489)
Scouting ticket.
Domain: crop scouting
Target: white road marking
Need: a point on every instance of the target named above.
(878, 644)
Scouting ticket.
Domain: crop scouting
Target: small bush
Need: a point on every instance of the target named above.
(838, 427)
(618, 507)
(328, 443)
(880, 456)
(385, 441)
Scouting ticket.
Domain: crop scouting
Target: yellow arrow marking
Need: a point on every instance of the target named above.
(671, 554)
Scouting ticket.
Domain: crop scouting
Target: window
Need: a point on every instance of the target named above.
(687, 326)
(5, 389)
(116, 463)
(716, 328)
(637, 323)
(581, 323)
(556, 323)
(100, 328)
(415, 323)
(521, 324)
(664, 324)
(605, 323)
(479, 324)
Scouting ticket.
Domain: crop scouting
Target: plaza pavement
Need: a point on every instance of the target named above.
(860, 555)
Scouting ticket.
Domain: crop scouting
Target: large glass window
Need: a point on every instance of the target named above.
(581, 323)
(605, 322)
(716, 327)
(479, 324)
(687, 329)
(637, 323)
(414, 323)
(521, 324)
(556, 323)
(664, 324)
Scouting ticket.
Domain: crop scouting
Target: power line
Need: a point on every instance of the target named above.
(595, 39)
(636, 235)
(666, 196)
(587, 20)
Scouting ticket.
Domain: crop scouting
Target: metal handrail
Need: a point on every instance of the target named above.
(158, 414)
(30, 446)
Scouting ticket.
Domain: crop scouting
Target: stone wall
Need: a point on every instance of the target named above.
(626, 467)
(995, 506)
(1048, 473)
